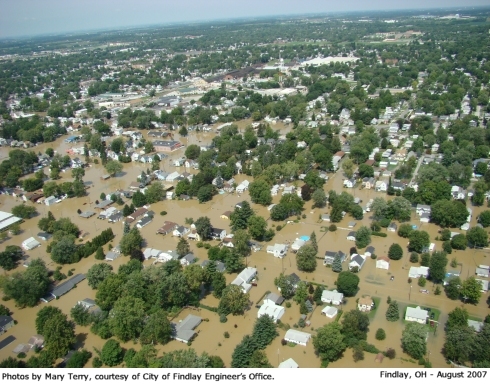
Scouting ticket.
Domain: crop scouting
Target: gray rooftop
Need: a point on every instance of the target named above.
(184, 330)
(277, 299)
(64, 287)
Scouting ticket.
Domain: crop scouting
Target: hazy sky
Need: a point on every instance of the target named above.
(35, 17)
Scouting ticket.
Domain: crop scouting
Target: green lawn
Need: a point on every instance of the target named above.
(377, 302)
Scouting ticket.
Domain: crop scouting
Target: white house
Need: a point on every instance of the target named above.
(365, 304)
(416, 272)
(244, 278)
(330, 311)
(181, 231)
(357, 261)
(271, 309)
(425, 217)
(349, 183)
(242, 187)
(333, 297)
(351, 236)
(383, 262)
(278, 250)
(297, 244)
(289, 363)
(30, 243)
(50, 200)
(297, 337)
(416, 315)
(381, 186)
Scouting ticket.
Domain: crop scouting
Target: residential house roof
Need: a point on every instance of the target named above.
(5, 320)
(184, 330)
(66, 286)
(416, 313)
(297, 336)
(220, 267)
(168, 226)
(277, 299)
(289, 363)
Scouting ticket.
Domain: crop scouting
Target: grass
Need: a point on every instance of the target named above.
(377, 303)
(475, 319)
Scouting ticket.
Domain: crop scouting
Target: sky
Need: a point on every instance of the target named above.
(40, 17)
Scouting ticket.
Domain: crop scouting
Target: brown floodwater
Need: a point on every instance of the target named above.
(374, 282)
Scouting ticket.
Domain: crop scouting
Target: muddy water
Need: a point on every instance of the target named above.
(374, 281)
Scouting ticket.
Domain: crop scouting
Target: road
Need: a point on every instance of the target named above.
(421, 159)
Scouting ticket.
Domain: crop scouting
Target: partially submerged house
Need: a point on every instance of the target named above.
(184, 330)
(297, 337)
(271, 309)
(244, 278)
(416, 272)
(330, 257)
(289, 363)
(278, 250)
(63, 288)
(333, 297)
(416, 315)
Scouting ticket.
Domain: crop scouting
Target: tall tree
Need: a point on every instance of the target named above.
(306, 258)
(329, 342)
(414, 338)
(59, 335)
(157, 329)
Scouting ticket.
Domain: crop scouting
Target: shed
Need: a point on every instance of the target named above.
(297, 337)
(330, 311)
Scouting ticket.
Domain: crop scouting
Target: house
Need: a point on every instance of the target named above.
(115, 217)
(218, 234)
(365, 303)
(87, 214)
(166, 146)
(172, 176)
(104, 204)
(278, 250)
(297, 244)
(228, 241)
(351, 236)
(477, 326)
(242, 187)
(369, 251)
(277, 299)
(381, 186)
(357, 261)
(458, 192)
(398, 186)
(330, 311)
(326, 217)
(50, 200)
(193, 235)
(136, 214)
(30, 243)
(425, 217)
(184, 330)
(44, 236)
(167, 228)
(349, 183)
(421, 209)
(484, 284)
(220, 267)
(482, 272)
(392, 227)
(150, 253)
(289, 363)
(271, 309)
(6, 323)
(63, 288)
(226, 215)
(188, 259)
(368, 183)
(297, 337)
(111, 256)
(36, 341)
(332, 297)
(383, 262)
(180, 231)
(143, 222)
(416, 272)
(87, 303)
(416, 315)
(330, 257)
(244, 278)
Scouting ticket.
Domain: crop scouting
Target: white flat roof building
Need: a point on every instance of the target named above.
(30, 243)
(272, 310)
(297, 337)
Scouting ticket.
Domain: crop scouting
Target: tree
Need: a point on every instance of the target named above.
(379, 208)
(205, 193)
(306, 258)
(395, 252)
(260, 192)
(80, 315)
(348, 167)
(257, 227)
(459, 242)
(183, 247)
(108, 291)
(139, 199)
(363, 237)
(264, 331)
(347, 283)
(452, 287)
(484, 218)
(63, 252)
(131, 241)
(380, 334)
(471, 290)
(399, 209)
(437, 266)
(319, 198)
(414, 339)
(405, 230)
(259, 360)
(233, 301)
(192, 151)
(418, 240)
(393, 313)
(301, 293)
(355, 326)
(218, 284)
(459, 344)
(59, 335)
(43, 315)
(243, 352)
(157, 329)
(23, 211)
(329, 342)
(240, 242)
(313, 241)
(285, 285)
(155, 192)
(449, 213)
(203, 228)
(127, 318)
(10, 257)
(99, 254)
(78, 359)
(113, 167)
(112, 354)
(28, 287)
(97, 274)
(477, 237)
(481, 353)
(457, 318)
(337, 264)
